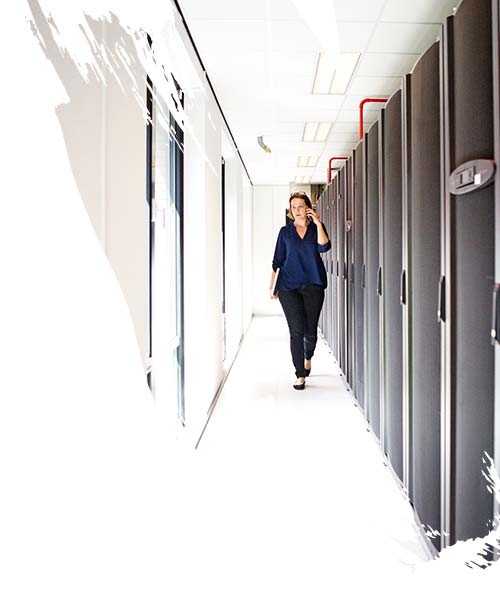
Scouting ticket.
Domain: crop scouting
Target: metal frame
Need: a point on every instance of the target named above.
(446, 325)
(406, 281)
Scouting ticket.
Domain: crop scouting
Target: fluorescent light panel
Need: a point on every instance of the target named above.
(325, 71)
(310, 132)
(345, 68)
(323, 131)
(316, 132)
(333, 78)
(307, 161)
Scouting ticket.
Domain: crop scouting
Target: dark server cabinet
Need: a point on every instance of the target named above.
(333, 290)
(328, 293)
(371, 256)
(469, 270)
(321, 213)
(350, 273)
(342, 269)
(358, 276)
(420, 287)
(389, 283)
(495, 326)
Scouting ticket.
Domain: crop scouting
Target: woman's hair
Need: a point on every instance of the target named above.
(302, 196)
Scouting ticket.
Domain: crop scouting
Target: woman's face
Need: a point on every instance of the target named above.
(298, 208)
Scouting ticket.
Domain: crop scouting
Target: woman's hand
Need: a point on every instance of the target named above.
(272, 294)
(311, 213)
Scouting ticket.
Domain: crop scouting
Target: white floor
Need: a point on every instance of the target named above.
(289, 496)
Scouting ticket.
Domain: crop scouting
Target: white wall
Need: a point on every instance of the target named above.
(108, 161)
(269, 209)
(104, 129)
(206, 142)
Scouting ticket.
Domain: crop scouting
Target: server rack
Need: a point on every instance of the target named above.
(333, 290)
(495, 328)
(371, 264)
(468, 402)
(420, 289)
(350, 271)
(342, 272)
(358, 335)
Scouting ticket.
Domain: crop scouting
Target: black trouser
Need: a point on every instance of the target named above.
(302, 308)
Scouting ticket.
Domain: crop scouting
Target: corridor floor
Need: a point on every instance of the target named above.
(289, 496)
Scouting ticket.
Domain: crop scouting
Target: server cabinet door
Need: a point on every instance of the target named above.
(372, 338)
(391, 230)
(333, 238)
(359, 370)
(424, 255)
(350, 273)
(321, 214)
(328, 297)
(495, 327)
(470, 243)
(341, 269)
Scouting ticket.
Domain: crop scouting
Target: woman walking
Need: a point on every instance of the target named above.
(301, 282)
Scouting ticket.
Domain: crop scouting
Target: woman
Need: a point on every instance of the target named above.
(301, 282)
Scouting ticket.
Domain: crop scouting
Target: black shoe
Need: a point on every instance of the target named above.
(299, 386)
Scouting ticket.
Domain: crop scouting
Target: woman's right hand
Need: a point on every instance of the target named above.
(273, 295)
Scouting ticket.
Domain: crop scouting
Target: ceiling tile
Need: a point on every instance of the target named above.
(223, 9)
(284, 9)
(354, 37)
(375, 86)
(386, 65)
(403, 38)
(418, 11)
(293, 36)
(218, 38)
(358, 10)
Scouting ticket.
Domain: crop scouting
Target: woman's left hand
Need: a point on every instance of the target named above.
(311, 213)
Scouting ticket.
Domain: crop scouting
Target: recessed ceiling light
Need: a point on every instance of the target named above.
(307, 161)
(345, 68)
(322, 132)
(310, 132)
(316, 132)
(325, 70)
(334, 78)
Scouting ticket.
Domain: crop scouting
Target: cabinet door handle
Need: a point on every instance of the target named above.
(495, 316)
(379, 281)
(402, 296)
(441, 312)
(363, 276)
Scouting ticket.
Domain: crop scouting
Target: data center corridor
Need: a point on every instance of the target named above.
(293, 486)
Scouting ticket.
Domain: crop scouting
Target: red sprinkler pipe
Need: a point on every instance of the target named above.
(361, 107)
(329, 174)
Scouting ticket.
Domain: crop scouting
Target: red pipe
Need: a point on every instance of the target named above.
(361, 107)
(329, 174)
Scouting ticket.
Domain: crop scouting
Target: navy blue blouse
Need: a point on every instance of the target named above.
(298, 259)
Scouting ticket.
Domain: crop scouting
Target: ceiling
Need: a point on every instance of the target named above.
(261, 58)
